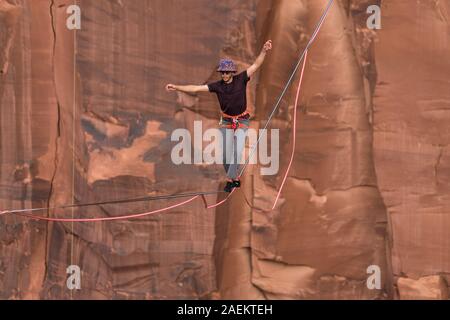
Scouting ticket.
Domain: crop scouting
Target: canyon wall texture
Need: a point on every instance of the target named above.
(84, 117)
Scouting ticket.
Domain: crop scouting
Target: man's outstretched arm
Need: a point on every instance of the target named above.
(187, 89)
(259, 61)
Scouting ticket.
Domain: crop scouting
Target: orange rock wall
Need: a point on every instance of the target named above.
(84, 117)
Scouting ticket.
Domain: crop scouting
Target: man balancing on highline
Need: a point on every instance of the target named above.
(231, 93)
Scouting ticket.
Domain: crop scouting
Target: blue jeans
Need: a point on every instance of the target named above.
(233, 143)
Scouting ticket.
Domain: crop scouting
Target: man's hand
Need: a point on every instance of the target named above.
(170, 87)
(267, 46)
(259, 61)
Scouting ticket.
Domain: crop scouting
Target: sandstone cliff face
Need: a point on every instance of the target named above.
(85, 117)
(411, 135)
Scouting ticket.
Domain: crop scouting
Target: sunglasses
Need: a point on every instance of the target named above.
(225, 72)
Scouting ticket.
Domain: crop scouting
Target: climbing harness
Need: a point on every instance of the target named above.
(234, 122)
(225, 120)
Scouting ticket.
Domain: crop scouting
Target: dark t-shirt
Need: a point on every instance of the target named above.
(232, 96)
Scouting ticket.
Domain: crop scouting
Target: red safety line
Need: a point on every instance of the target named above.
(294, 132)
(131, 216)
(219, 203)
(293, 144)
